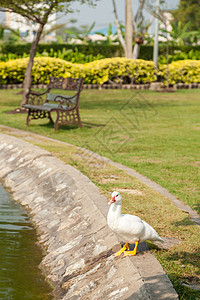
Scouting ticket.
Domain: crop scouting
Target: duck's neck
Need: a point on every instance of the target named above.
(115, 210)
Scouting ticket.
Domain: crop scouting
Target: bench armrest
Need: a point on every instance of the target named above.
(35, 98)
(31, 92)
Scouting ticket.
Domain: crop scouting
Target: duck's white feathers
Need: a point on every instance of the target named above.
(134, 229)
(128, 227)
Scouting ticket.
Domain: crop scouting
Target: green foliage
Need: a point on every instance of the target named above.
(179, 33)
(17, 50)
(118, 70)
(83, 36)
(179, 55)
(146, 52)
(188, 11)
(68, 55)
(104, 50)
(108, 37)
(74, 56)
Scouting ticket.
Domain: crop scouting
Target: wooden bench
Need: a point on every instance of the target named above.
(41, 105)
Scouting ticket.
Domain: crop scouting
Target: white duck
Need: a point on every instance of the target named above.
(131, 229)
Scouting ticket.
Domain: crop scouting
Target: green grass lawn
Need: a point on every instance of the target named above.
(157, 134)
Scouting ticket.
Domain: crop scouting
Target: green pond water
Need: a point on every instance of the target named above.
(20, 277)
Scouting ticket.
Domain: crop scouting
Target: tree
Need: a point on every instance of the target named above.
(139, 27)
(81, 35)
(179, 34)
(188, 11)
(108, 37)
(37, 12)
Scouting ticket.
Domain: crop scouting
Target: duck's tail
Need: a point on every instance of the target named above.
(160, 239)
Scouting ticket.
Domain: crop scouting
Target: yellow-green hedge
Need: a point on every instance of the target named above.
(111, 69)
(13, 71)
(186, 71)
(118, 69)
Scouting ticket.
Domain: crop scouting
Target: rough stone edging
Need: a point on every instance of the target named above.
(79, 244)
(145, 86)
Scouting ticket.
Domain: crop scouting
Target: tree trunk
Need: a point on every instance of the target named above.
(136, 50)
(28, 73)
(128, 30)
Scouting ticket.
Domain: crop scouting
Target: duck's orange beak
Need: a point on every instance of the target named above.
(112, 200)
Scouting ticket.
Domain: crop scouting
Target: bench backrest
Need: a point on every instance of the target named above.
(73, 84)
(70, 84)
(58, 98)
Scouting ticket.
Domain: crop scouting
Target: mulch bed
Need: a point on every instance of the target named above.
(19, 110)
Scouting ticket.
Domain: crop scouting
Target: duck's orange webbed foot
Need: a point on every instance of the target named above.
(126, 246)
(132, 253)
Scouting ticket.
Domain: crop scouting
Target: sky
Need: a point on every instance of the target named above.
(103, 14)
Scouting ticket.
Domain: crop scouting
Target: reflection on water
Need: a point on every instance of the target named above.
(20, 277)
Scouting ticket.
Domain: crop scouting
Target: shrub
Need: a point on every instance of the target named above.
(110, 70)
(119, 70)
(186, 71)
(13, 71)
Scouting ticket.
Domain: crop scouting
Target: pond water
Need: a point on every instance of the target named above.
(20, 277)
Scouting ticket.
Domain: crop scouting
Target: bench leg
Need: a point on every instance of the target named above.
(67, 118)
(56, 122)
(79, 118)
(37, 114)
(50, 118)
(28, 118)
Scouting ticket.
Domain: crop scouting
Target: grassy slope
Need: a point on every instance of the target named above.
(157, 134)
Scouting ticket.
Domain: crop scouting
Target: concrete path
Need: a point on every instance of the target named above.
(70, 215)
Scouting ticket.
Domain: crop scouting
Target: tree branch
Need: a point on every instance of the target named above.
(28, 14)
(139, 11)
(119, 32)
(152, 10)
(138, 16)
